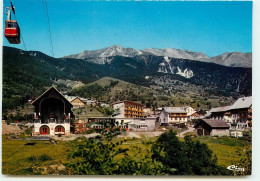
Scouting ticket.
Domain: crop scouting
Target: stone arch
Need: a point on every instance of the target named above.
(45, 130)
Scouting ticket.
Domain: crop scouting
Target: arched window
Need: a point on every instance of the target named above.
(44, 130)
(59, 129)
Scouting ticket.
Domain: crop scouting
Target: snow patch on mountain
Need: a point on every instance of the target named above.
(162, 68)
(187, 73)
(33, 54)
(101, 60)
(168, 61)
(166, 65)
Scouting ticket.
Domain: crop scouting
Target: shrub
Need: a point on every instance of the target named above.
(186, 158)
(44, 158)
(32, 158)
(28, 130)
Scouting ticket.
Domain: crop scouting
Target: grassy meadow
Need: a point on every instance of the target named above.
(18, 157)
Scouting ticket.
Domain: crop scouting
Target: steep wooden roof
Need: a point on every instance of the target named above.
(78, 99)
(46, 92)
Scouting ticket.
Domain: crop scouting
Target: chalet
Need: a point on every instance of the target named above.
(173, 115)
(220, 113)
(239, 114)
(195, 115)
(77, 103)
(212, 127)
(52, 113)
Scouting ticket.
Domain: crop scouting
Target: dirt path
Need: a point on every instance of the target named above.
(190, 129)
(75, 136)
(149, 134)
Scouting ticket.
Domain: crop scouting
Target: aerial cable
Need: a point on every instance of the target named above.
(21, 34)
(46, 7)
(13, 9)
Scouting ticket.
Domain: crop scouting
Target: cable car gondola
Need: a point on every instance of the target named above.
(12, 29)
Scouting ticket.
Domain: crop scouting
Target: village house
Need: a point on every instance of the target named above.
(212, 127)
(131, 124)
(52, 113)
(145, 124)
(175, 116)
(90, 102)
(75, 101)
(241, 113)
(238, 115)
(196, 115)
(220, 113)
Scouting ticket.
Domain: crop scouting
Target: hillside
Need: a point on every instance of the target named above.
(110, 90)
(144, 78)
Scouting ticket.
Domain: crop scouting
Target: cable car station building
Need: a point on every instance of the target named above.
(52, 113)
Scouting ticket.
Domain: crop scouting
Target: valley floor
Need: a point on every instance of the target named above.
(24, 157)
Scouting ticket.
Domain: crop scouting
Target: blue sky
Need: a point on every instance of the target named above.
(209, 27)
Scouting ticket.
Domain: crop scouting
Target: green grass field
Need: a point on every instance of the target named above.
(19, 158)
(16, 155)
(227, 149)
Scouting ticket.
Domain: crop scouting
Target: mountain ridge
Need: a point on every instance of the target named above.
(101, 56)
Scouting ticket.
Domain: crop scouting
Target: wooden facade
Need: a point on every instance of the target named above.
(53, 113)
(211, 127)
(173, 115)
(52, 106)
(238, 115)
(77, 103)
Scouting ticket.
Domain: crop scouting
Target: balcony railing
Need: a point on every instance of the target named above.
(52, 120)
